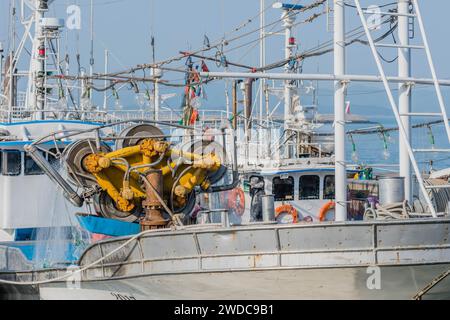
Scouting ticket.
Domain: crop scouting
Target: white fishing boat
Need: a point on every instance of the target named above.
(226, 204)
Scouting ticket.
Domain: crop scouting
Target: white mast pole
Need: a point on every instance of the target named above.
(91, 61)
(105, 94)
(262, 54)
(339, 112)
(38, 62)
(288, 19)
(404, 70)
(1, 67)
(157, 99)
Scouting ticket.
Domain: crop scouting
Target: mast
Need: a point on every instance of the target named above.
(288, 16)
(12, 52)
(91, 60)
(1, 67)
(288, 19)
(339, 112)
(105, 94)
(262, 57)
(404, 70)
(38, 60)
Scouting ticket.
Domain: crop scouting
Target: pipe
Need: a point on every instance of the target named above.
(68, 192)
(321, 77)
(234, 97)
(248, 106)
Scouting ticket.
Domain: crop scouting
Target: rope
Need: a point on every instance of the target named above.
(431, 285)
(395, 211)
(32, 283)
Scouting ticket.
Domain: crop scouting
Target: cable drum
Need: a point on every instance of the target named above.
(439, 196)
(73, 157)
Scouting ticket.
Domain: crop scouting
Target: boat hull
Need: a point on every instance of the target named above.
(287, 284)
(353, 260)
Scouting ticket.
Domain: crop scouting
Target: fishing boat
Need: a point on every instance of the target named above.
(222, 204)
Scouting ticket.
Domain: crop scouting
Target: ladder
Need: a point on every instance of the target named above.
(402, 130)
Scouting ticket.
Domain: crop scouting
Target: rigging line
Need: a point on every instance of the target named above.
(283, 62)
(310, 19)
(272, 66)
(380, 6)
(379, 129)
(265, 35)
(222, 41)
(351, 33)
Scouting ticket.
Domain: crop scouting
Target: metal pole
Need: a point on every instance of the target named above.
(1, 67)
(262, 57)
(288, 20)
(157, 99)
(234, 102)
(105, 94)
(404, 70)
(39, 62)
(92, 61)
(324, 77)
(339, 112)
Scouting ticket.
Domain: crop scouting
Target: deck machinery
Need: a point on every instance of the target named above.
(144, 178)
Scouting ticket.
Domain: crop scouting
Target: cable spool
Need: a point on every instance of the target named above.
(105, 207)
(134, 134)
(73, 157)
(439, 197)
(204, 147)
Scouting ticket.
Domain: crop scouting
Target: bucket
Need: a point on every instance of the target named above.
(391, 190)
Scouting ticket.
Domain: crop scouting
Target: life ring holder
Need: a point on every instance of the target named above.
(289, 209)
(325, 209)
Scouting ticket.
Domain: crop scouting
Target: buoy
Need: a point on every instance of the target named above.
(288, 209)
(236, 201)
(325, 209)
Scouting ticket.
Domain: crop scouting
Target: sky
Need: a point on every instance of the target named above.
(124, 27)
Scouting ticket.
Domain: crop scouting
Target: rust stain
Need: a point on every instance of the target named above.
(256, 259)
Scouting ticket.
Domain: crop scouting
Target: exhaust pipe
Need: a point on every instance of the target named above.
(68, 192)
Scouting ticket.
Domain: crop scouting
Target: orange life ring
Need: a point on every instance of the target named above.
(324, 210)
(236, 201)
(289, 209)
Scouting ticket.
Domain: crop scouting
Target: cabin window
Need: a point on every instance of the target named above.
(12, 163)
(31, 167)
(283, 189)
(309, 188)
(328, 187)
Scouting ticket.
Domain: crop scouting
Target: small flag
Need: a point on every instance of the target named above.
(204, 67)
(347, 108)
(206, 42)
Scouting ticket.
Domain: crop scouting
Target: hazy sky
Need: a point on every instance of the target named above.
(124, 27)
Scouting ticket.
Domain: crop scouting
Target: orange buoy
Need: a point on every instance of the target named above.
(236, 201)
(324, 210)
(289, 209)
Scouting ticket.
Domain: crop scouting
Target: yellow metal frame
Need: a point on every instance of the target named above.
(111, 174)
